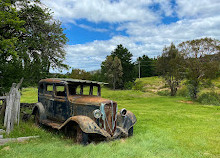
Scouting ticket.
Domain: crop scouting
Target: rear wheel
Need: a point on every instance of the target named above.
(81, 137)
(130, 132)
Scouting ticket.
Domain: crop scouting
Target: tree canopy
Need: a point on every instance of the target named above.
(113, 72)
(31, 41)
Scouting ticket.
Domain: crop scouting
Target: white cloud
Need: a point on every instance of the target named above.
(146, 33)
(102, 10)
(197, 8)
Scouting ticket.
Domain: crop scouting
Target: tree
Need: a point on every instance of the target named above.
(147, 67)
(41, 47)
(201, 62)
(31, 42)
(170, 67)
(114, 71)
(10, 27)
(128, 67)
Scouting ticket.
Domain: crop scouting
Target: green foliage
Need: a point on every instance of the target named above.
(170, 67)
(126, 61)
(128, 85)
(147, 66)
(164, 93)
(80, 74)
(97, 76)
(183, 92)
(31, 42)
(113, 71)
(138, 86)
(201, 62)
(209, 98)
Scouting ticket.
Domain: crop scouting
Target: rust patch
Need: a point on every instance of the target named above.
(85, 100)
(51, 80)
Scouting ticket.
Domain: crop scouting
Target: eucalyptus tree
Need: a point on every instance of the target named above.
(170, 67)
(201, 61)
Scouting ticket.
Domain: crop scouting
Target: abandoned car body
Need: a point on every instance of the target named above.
(64, 104)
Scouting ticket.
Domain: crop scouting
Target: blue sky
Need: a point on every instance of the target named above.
(96, 27)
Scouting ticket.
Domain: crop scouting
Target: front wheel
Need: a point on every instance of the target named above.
(81, 137)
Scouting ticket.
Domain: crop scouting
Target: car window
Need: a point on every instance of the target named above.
(76, 89)
(60, 90)
(49, 89)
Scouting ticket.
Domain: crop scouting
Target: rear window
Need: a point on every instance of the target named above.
(60, 90)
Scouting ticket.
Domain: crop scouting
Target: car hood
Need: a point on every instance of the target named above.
(88, 100)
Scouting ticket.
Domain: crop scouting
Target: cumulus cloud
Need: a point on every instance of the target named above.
(193, 9)
(102, 10)
(146, 32)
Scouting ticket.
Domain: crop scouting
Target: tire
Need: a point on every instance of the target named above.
(81, 137)
(37, 118)
(130, 132)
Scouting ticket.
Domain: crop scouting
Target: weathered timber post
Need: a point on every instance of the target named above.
(12, 112)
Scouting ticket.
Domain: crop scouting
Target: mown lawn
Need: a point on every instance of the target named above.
(166, 127)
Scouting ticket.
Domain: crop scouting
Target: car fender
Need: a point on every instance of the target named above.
(86, 124)
(127, 121)
(39, 106)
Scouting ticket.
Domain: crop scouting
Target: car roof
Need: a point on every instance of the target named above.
(69, 80)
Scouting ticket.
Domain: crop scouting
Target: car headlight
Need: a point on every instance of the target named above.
(123, 112)
(97, 113)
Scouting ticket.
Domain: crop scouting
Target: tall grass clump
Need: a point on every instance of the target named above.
(210, 98)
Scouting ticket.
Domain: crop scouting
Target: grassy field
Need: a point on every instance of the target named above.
(166, 127)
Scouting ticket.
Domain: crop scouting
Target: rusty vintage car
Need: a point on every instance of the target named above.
(76, 107)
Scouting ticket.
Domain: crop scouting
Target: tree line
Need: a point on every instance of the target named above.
(196, 61)
(118, 69)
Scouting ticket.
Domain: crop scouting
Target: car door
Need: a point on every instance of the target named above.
(49, 100)
(61, 104)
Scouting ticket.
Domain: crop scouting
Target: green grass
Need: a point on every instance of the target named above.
(166, 127)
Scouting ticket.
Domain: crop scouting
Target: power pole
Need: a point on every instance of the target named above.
(139, 67)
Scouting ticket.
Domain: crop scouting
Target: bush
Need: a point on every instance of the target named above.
(183, 92)
(164, 93)
(210, 98)
(138, 86)
(128, 85)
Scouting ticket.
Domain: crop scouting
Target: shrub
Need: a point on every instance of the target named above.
(164, 93)
(183, 92)
(138, 86)
(210, 98)
(128, 85)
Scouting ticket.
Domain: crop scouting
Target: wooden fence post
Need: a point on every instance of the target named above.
(12, 112)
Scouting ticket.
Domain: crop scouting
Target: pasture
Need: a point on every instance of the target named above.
(166, 127)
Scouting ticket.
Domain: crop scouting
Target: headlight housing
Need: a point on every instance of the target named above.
(123, 112)
(97, 113)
